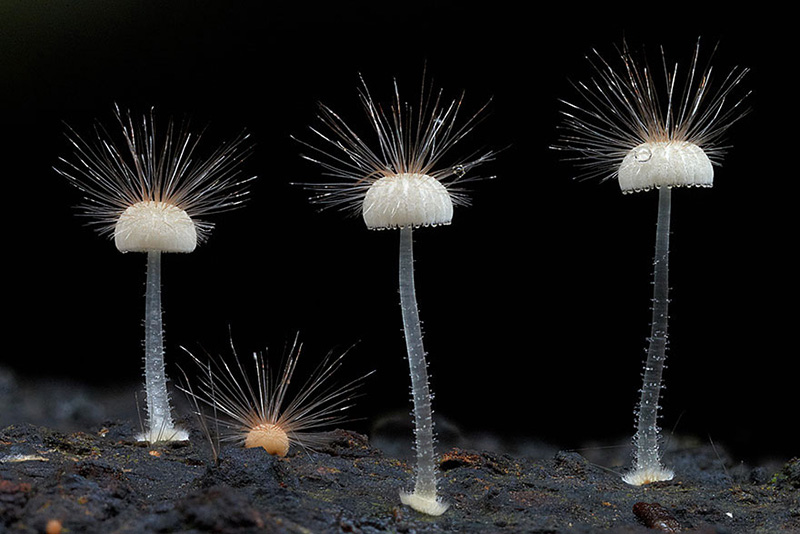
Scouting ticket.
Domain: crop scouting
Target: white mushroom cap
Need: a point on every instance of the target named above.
(669, 163)
(407, 199)
(155, 226)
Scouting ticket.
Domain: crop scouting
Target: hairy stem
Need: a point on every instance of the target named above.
(159, 419)
(647, 454)
(425, 484)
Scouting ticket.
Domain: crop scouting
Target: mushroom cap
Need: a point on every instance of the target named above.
(407, 199)
(669, 163)
(155, 226)
(271, 437)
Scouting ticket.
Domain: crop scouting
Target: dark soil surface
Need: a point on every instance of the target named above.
(101, 480)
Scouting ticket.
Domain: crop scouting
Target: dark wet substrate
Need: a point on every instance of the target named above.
(104, 481)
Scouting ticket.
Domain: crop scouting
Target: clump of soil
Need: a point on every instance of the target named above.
(105, 481)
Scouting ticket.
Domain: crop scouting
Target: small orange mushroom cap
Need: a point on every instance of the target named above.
(270, 437)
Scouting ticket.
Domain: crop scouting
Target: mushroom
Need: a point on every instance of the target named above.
(148, 193)
(256, 408)
(652, 137)
(403, 185)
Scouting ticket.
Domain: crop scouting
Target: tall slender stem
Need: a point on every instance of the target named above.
(425, 484)
(159, 419)
(647, 454)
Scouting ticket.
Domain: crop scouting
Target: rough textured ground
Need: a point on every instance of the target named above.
(100, 480)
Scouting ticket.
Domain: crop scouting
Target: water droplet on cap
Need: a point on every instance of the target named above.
(643, 154)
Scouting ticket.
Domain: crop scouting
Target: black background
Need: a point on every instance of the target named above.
(535, 301)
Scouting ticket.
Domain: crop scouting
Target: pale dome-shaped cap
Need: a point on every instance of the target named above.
(155, 226)
(669, 163)
(407, 199)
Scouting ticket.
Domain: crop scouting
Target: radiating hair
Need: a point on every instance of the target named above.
(143, 164)
(243, 400)
(409, 141)
(629, 103)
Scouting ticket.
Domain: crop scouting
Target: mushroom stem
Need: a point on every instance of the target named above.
(647, 457)
(425, 483)
(159, 420)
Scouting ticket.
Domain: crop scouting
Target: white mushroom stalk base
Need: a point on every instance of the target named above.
(426, 504)
(424, 498)
(159, 425)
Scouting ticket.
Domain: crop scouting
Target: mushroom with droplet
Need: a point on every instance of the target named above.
(651, 136)
(403, 185)
(148, 191)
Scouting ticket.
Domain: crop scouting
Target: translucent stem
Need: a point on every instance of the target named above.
(647, 457)
(425, 484)
(159, 419)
